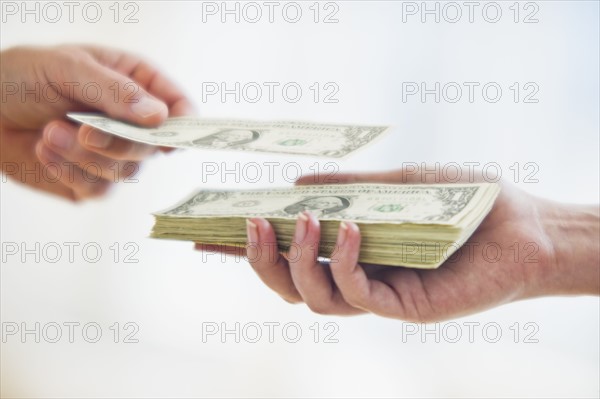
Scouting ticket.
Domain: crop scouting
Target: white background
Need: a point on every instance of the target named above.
(172, 290)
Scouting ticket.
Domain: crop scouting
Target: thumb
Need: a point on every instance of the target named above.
(119, 96)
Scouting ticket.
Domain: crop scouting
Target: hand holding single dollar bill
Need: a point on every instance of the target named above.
(285, 137)
(401, 225)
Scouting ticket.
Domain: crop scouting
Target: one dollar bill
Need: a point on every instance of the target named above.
(285, 137)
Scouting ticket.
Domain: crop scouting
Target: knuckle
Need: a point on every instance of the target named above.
(291, 299)
(356, 299)
(68, 59)
(320, 307)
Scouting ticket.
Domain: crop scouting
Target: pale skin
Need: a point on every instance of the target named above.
(34, 131)
(547, 249)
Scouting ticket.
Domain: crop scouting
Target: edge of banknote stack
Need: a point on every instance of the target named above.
(417, 226)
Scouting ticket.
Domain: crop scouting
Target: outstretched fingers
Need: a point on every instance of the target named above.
(267, 262)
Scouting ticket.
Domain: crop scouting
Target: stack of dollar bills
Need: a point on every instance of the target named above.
(417, 226)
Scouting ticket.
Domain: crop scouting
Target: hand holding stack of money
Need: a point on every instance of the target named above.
(401, 225)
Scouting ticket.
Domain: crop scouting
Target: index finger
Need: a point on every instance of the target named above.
(147, 76)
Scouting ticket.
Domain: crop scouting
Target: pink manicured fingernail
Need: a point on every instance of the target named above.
(147, 106)
(252, 231)
(301, 227)
(98, 139)
(60, 137)
(252, 246)
(343, 233)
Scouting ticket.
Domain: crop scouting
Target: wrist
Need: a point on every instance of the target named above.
(572, 266)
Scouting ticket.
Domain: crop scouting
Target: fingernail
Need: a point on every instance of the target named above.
(301, 227)
(343, 233)
(252, 246)
(147, 106)
(98, 139)
(60, 137)
(252, 231)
